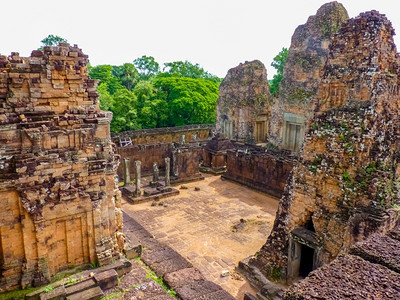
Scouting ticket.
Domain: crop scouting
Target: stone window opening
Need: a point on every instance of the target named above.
(293, 131)
(261, 128)
(226, 127)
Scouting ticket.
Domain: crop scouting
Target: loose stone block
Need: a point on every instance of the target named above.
(107, 279)
(94, 293)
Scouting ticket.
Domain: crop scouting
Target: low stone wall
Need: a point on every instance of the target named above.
(197, 132)
(147, 154)
(186, 162)
(185, 159)
(263, 171)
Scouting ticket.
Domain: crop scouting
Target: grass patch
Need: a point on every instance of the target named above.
(18, 294)
(150, 274)
(114, 295)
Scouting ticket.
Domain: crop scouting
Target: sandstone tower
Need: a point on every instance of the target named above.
(59, 200)
(243, 106)
(345, 185)
(302, 73)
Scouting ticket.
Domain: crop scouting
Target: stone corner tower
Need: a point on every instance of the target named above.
(60, 205)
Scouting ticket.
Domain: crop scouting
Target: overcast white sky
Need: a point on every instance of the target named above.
(217, 34)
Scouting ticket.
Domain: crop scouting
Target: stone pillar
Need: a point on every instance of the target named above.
(155, 172)
(175, 163)
(127, 172)
(167, 171)
(138, 175)
(183, 139)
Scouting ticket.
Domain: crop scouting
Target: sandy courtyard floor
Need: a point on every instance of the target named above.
(204, 226)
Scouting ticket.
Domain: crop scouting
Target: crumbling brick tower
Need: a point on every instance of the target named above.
(302, 74)
(244, 104)
(59, 203)
(346, 184)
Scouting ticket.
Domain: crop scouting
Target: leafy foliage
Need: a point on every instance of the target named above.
(147, 67)
(52, 40)
(190, 101)
(127, 74)
(278, 63)
(187, 69)
(140, 96)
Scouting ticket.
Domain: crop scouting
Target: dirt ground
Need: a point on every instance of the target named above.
(205, 226)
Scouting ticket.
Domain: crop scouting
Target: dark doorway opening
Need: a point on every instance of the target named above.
(306, 260)
(310, 225)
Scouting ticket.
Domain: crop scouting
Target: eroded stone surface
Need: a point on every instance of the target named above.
(244, 95)
(344, 185)
(348, 277)
(61, 206)
(307, 56)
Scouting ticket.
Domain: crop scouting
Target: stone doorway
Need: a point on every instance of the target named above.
(303, 253)
(306, 260)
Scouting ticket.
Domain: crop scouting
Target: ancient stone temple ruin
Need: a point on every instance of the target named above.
(302, 73)
(243, 106)
(327, 146)
(60, 203)
(345, 186)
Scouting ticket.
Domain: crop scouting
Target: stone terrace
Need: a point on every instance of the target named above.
(204, 226)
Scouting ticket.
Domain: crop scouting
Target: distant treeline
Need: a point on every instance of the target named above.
(140, 95)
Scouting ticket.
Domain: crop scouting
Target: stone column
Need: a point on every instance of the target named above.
(183, 139)
(127, 172)
(155, 172)
(167, 171)
(175, 163)
(138, 175)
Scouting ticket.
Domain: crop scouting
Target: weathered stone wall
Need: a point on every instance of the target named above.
(60, 205)
(346, 182)
(197, 132)
(263, 171)
(186, 162)
(243, 105)
(147, 154)
(307, 56)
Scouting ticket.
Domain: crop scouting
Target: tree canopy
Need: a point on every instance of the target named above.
(52, 40)
(278, 63)
(141, 96)
(147, 67)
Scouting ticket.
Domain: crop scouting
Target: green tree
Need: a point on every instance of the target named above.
(101, 72)
(105, 98)
(154, 113)
(127, 74)
(124, 111)
(105, 75)
(187, 69)
(144, 91)
(190, 100)
(278, 63)
(147, 67)
(52, 40)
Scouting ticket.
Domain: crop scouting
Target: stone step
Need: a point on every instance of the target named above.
(90, 294)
